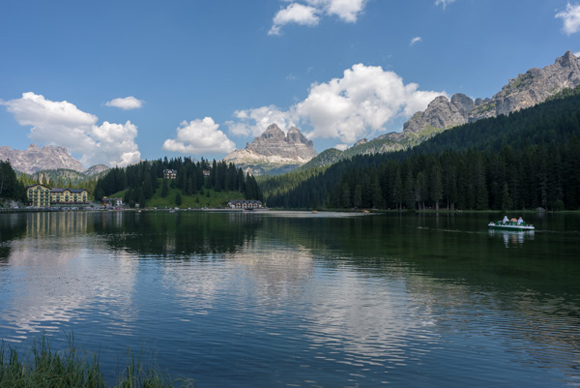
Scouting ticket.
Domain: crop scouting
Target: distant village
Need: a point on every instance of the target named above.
(41, 196)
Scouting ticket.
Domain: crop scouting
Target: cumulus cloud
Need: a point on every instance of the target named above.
(63, 124)
(347, 10)
(416, 39)
(361, 103)
(341, 147)
(571, 18)
(255, 121)
(199, 136)
(125, 103)
(294, 13)
(311, 11)
(115, 144)
(444, 3)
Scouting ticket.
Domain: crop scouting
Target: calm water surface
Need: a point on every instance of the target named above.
(301, 299)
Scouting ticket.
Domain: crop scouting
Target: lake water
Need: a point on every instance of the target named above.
(279, 299)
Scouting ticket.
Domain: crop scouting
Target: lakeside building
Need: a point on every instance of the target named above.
(43, 196)
(245, 204)
(169, 173)
(112, 202)
(38, 195)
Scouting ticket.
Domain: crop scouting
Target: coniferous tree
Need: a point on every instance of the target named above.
(164, 188)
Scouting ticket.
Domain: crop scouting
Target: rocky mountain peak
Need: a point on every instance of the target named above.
(567, 60)
(440, 114)
(34, 159)
(532, 88)
(524, 91)
(294, 136)
(272, 132)
(274, 149)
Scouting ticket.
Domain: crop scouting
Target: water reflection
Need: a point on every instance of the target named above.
(512, 239)
(308, 300)
(57, 269)
(12, 227)
(176, 234)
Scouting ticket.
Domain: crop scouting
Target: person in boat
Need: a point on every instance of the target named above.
(520, 221)
(505, 220)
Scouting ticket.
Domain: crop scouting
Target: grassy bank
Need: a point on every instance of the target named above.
(206, 198)
(43, 367)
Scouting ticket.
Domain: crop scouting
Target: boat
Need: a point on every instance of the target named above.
(511, 226)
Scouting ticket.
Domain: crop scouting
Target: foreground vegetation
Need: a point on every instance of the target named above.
(47, 368)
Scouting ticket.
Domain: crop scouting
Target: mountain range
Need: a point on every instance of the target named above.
(524, 91)
(274, 152)
(35, 160)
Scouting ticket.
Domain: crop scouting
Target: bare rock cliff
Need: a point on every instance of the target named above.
(273, 150)
(524, 91)
(34, 159)
(532, 88)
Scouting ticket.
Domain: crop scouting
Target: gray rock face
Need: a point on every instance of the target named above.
(440, 114)
(274, 149)
(273, 142)
(361, 141)
(96, 170)
(531, 88)
(525, 91)
(34, 159)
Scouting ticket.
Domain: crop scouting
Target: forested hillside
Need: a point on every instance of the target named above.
(140, 181)
(62, 178)
(10, 187)
(522, 161)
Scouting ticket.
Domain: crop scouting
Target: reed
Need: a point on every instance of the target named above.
(44, 368)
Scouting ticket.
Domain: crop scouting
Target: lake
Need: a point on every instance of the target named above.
(295, 299)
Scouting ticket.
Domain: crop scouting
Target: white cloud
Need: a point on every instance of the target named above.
(571, 18)
(444, 3)
(309, 14)
(62, 123)
(341, 147)
(294, 13)
(199, 137)
(416, 39)
(361, 103)
(255, 121)
(577, 54)
(125, 103)
(115, 144)
(347, 10)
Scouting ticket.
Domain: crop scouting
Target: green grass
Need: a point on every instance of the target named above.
(214, 200)
(43, 367)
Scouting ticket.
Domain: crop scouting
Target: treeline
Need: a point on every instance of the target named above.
(57, 178)
(525, 160)
(10, 186)
(538, 176)
(140, 181)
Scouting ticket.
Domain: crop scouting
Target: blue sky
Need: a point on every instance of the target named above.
(119, 81)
